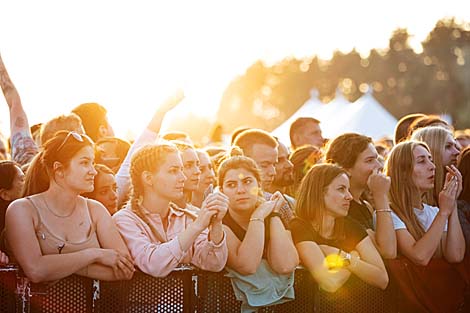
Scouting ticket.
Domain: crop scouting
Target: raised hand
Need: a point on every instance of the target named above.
(217, 202)
(448, 194)
(378, 183)
(455, 172)
(264, 209)
(172, 101)
(206, 213)
(279, 200)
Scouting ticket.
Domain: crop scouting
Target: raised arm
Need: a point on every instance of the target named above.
(385, 237)
(453, 241)
(23, 145)
(422, 250)
(149, 135)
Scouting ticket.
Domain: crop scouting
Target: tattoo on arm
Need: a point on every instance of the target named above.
(20, 122)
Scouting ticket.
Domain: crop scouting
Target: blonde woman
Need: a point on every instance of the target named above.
(423, 231)
(444, 152)
(427, 236)
(161, 235)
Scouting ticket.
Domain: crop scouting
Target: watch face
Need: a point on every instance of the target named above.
(347, 260)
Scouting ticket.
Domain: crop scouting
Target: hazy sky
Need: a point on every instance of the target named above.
(129, 55)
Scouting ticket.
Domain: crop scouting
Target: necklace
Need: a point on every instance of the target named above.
(58, 215)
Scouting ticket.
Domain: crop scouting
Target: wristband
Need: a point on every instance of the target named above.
(259, 219)
(274, 214)
(384, 210)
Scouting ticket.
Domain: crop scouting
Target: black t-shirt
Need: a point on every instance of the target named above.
(304, 231)
(361, 214)
(240, 232)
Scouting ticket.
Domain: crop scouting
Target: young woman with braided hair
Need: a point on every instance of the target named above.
(159, 234)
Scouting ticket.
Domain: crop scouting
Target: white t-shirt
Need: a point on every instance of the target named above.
(425, 217)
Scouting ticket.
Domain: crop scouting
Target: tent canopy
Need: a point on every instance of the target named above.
(364, 116)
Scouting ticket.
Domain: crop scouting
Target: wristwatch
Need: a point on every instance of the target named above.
(347, 259)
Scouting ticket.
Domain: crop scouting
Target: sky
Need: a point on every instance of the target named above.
(131, 55)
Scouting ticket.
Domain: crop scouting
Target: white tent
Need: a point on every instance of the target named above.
(365, 116)
(327, 110)
(307, 109)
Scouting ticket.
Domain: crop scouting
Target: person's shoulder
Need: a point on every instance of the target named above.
(125, 213)
(21, 207)
(20, 203)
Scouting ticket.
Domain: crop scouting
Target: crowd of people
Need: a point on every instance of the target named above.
(75, 199)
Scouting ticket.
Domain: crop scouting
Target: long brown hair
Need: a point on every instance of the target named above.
(403, 192)
(148, 158)
(60, 148)
(310, 201)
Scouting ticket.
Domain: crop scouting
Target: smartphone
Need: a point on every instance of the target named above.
(208, 191)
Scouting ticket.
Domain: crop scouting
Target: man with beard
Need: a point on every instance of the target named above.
(284, 170)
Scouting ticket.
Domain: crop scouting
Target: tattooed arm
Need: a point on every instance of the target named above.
(22, 143)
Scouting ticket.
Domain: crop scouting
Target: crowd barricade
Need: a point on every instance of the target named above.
(357, 296)
(215, 294)
(187, 290)
(71, 294)
(8, 296)
(144, 293)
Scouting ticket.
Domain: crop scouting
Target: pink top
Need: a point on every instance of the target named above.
(158, 258)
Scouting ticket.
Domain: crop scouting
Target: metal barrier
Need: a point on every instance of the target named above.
(8, 289)
(71, 294)
(184, 290)
(215, 294)
(144, 293)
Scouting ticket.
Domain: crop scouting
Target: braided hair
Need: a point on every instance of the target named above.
(148, 158)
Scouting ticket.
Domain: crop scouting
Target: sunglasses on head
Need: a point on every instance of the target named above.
(77, 137)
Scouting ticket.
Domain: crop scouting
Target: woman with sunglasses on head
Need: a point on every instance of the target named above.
(54, 232)
(159, 234)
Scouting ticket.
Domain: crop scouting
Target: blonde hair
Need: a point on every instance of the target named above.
(70, 122)
(435, 138)
(403, 191)
(148, 158)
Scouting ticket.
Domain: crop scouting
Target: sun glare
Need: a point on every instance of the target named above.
(129, 57)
